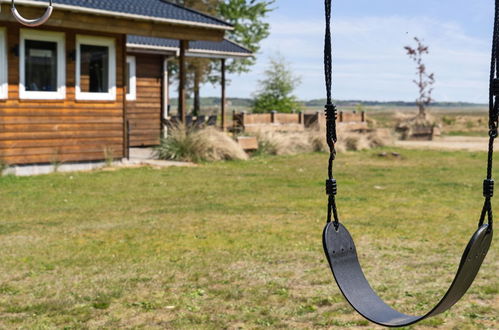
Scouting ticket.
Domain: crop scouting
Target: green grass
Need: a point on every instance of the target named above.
(238, 244)
(483, 133)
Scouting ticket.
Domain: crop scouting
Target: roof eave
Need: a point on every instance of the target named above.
(122, 15)
(137, 48)
(215, 54)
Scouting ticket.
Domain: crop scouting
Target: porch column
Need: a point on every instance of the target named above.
(184, 44)
(165, 113)
(126, 122)
(223, 99)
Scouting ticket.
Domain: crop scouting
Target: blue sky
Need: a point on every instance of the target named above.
(369, 35)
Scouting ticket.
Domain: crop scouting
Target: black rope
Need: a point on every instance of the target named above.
(331, 185)
(488, 184)
(328, 58)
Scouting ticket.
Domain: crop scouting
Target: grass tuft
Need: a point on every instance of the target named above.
(207, 144)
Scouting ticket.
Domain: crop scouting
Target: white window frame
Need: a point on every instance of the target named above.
(4, 84)
(132, 79)
(97, 41)
(60, 39)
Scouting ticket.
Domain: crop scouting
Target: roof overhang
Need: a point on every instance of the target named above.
(66, 16)
(174, 51)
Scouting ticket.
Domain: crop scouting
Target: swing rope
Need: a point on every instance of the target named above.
(339, 246)
(488, 184)
(331, 114)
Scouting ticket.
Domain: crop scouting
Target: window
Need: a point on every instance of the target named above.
(131, 78)
(42, 65)
(95, 68)
(4, 86)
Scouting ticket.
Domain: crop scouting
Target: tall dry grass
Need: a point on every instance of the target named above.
(207, 144)
(313, 140)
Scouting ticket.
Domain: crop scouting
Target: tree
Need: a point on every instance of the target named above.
(197, 69)
(425, 80)
(276, 90)
(250, 28)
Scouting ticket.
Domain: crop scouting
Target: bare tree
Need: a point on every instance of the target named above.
(425, 80)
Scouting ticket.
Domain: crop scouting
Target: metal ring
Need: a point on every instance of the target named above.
(32, 22)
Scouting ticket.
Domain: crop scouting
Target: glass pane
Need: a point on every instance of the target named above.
(127, 81)
(94, 69)
(3, 64)
(40, 66)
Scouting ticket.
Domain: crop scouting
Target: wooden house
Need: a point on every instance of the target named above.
(65, 86)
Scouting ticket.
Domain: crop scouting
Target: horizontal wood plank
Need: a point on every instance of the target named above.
(144, 114)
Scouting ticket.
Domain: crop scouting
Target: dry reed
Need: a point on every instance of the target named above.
(207, 144)
(313, 140)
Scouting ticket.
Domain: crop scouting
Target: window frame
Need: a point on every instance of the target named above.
(60, 39)
(96, 41)
(132, 78)
(4, 67)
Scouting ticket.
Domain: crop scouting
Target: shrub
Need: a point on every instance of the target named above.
(3, 167)
(207, 144)
(448, 120)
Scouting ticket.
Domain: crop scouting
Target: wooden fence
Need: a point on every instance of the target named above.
(253, 122)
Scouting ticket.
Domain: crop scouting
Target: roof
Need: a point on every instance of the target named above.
(225, 48)
(141, 9)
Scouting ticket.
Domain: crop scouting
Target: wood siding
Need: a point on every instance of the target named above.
(48, 131)
(144, 114)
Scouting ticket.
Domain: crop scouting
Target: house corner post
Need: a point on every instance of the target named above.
(224, 96)
(182, 107)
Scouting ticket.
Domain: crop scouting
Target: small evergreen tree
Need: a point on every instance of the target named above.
(276, 90)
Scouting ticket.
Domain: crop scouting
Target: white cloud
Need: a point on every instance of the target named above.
(369, 59)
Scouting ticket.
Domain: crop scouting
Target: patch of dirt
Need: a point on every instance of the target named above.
(467, 143)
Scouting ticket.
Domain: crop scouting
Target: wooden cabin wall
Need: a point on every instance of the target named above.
(49, 131)
(144, 114)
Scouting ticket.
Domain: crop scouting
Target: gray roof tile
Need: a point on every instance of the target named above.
(149, 8)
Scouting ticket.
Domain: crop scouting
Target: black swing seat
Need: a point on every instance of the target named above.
(343, 260)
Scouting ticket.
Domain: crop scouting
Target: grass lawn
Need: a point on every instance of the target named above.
(238, 244)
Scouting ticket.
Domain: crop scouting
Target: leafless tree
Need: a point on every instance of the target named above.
(425, 81)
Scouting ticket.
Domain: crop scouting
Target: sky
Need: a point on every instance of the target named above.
(369, 36)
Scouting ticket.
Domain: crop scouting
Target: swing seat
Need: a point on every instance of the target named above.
(343, 260)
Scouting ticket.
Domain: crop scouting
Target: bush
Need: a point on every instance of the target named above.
(207, 144)
(3, 167)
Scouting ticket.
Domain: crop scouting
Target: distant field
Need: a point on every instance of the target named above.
(238, 244)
